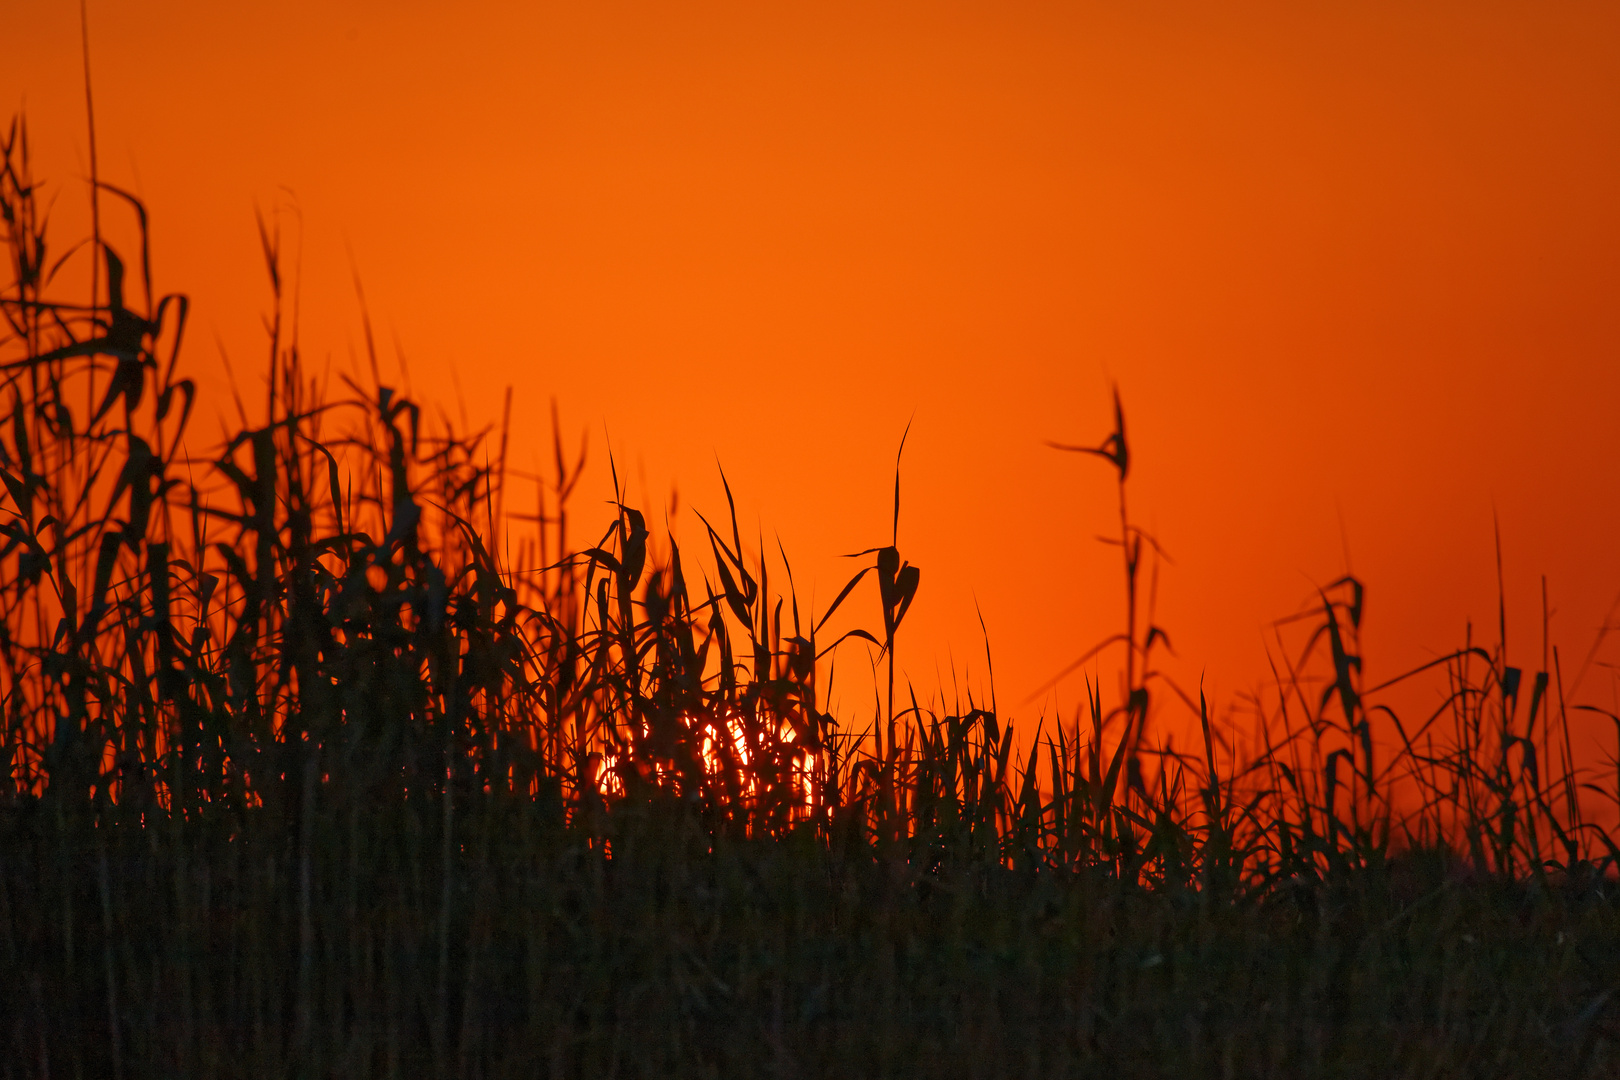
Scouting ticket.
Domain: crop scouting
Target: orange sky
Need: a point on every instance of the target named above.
(1348, 263)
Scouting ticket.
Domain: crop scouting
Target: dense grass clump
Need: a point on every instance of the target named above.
(326, 755)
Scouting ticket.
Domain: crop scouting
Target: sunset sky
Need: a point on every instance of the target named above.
(1354, 267)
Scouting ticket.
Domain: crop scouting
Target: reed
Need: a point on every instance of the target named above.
(325, 755)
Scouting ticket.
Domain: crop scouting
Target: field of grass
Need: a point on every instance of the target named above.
(330, 751)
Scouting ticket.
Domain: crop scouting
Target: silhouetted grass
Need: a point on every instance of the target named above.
(323, 757)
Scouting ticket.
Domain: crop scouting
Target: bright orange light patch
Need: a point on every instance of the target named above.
(731, 760)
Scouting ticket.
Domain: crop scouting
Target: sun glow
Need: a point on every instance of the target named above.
(752, 762)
